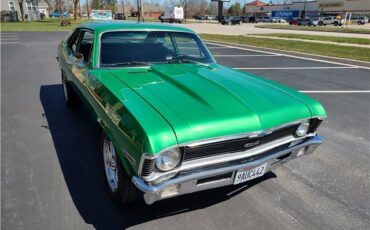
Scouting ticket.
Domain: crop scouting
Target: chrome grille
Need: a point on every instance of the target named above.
(234, 145)
(315, 124)
(148, 166)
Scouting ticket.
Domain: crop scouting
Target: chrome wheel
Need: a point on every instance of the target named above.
(65, 89)
(110, 164)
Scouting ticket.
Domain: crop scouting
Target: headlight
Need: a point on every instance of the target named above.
(168, 160)
(302, 129)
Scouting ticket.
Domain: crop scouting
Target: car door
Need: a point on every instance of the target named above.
(79, 59)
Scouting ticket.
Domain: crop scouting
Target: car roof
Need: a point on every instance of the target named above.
(104, 26)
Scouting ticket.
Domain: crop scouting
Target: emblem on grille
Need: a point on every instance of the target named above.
(251, 144)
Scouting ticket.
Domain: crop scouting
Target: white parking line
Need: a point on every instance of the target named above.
(8, 43)
(245, 55)
(334, 91)
(288, 55)
(318, 67)
(8, 39)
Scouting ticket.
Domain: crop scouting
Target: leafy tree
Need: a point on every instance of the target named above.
(235, 9)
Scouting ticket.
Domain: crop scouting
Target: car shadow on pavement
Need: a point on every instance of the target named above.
(75, 138)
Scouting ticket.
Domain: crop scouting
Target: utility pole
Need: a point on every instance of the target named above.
(304, 10)
(220, 10)
(87, 8)
(186, 4)
(79, 8)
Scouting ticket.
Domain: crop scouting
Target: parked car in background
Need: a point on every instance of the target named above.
(171, 120)
(265, 19)
(233, 20)
(305, 22)
(326, 21)
(119, 16)
(315, 21)
(173, 14)
(200, 17)
(338, 21)
(360, 20)
(277, 20)
(245, 19)
(57, 14)
(252, 19)
(293, 21)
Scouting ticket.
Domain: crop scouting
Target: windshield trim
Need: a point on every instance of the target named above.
(98, 62)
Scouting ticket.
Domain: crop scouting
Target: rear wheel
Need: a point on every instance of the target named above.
(120, 187)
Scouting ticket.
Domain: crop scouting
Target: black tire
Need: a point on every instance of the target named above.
(126, 191)
(70, 96)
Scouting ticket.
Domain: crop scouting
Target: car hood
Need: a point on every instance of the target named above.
(201, 102)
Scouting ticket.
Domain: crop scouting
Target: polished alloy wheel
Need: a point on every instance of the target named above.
(110, 164)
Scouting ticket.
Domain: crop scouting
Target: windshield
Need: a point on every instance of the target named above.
(128, 48)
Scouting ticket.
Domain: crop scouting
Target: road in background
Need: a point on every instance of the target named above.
(249, 28)
(52, 176)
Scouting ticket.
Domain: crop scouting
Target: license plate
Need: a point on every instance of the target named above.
(243, 175)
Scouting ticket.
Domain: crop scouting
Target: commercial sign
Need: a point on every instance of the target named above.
(285, 14)
(331, 4)
(101, 14)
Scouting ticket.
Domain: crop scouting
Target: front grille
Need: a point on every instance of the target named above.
(148, 166)
(234, 145)
(315, 123)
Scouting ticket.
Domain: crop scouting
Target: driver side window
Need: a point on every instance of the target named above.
(73, 41)
(85, 45)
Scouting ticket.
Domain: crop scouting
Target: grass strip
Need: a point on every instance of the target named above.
(317, 28)
(355, 53)
(362, 41)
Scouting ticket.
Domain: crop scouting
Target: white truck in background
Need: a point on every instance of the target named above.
(172, 14)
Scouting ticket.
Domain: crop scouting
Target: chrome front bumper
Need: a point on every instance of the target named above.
(213, 177)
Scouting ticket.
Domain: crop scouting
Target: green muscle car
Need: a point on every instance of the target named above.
(174, 121)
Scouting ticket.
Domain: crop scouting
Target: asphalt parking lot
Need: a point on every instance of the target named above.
(51, 175)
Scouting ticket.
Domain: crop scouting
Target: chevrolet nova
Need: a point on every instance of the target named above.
(172, 120)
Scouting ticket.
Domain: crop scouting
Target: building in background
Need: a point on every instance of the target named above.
(308, 8)
(10, 10)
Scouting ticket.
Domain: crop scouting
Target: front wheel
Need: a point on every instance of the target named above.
(69, 94)
(120, 187)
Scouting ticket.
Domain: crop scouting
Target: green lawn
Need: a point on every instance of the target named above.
(362, 41)
(50, 25)
(318, 28)
(42, 25)
(355, 53)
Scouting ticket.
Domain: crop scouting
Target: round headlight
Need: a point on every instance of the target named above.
(168, 160)
(302, 129)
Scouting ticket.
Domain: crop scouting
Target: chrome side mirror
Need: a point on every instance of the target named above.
(79, 57)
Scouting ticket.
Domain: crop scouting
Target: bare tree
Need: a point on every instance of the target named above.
(20, 2)
(49, 3)
(75, 6)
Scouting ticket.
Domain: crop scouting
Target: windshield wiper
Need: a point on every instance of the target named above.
(129, 63)
(185, 60)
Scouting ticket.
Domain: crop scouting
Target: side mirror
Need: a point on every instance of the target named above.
(79, 57)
